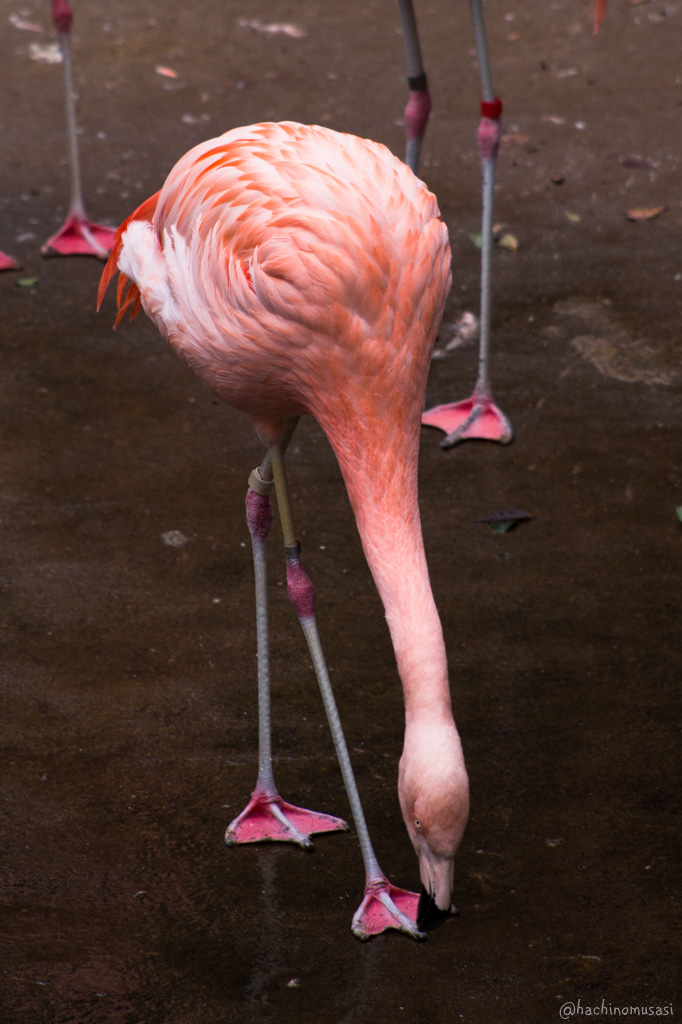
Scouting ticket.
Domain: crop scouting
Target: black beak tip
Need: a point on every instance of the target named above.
(429, 914)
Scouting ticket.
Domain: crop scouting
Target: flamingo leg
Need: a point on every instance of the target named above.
(78, 236)
(478, 417)
(419, 104)
(384, 905)
(267, 816)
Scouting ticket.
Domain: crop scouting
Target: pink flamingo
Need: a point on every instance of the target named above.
(78, 236)
(477, 416)
(297, 270)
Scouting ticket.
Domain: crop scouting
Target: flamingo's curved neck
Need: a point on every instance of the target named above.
(383, 492)
(401, 575)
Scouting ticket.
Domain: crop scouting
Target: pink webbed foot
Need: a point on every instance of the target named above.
(80, 237)
(269, 818)
(386, 906)
(8, 262)
(475, 418)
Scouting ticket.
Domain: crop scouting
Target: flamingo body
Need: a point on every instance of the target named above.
(298, 270)
(254, 264)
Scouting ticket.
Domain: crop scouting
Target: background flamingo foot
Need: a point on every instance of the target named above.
(271, 819)
(8, 262)
(386, 906)
(80, 237)
(475, 418)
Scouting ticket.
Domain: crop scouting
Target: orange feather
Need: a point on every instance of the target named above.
(144, 212)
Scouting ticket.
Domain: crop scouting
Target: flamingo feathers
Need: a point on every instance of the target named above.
(145, 212)
(264, 250)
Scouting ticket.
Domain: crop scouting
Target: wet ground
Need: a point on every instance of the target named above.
(128, 673)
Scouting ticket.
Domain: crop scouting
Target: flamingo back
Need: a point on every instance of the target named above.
(288, 266)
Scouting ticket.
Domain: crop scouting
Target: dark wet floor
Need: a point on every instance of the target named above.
(128, 672)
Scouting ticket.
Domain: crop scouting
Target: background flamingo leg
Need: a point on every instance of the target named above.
(267, 816)
(419, 104)
(78, 236)
(478, 417)
(383, 905)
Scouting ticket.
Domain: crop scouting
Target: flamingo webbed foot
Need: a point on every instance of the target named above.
(386, 906)
(475, 418)
(8, 262)
(79, 236)
(269, 818)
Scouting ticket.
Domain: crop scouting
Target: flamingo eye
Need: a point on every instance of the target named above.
(418, 824)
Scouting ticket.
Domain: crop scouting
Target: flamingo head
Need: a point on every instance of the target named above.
(434, 797)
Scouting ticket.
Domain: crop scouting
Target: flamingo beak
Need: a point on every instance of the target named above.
(429, 914)
(435, 904)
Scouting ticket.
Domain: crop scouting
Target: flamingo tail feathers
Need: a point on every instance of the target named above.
(130, 299)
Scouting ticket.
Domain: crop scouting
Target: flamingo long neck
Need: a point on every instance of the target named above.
(382, 486)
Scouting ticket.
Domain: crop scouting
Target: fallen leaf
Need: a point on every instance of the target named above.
(642, 213)
(467, 325)
(477, 239)
(166, 72)
(637, 163)
(49, 53)
(465, 328)
(272, 28)
(515, 138)
(196, 118)
(574, 218)
(23, 25)
(678, 512)
(174, 538)
(27, 282)
(508, 242)
(502, 522)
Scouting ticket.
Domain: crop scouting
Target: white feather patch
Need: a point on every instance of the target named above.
(142, 260)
